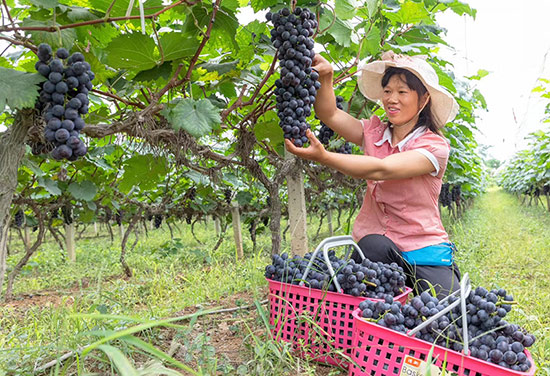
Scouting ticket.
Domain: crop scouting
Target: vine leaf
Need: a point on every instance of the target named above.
(340, 30)
(85, 190)
(143, 171)
(132, 51)
(49, 185)
(196, 117)
(18, 89)
(62, 38)
(178, 45)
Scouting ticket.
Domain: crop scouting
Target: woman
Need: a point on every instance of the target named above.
(404, 162)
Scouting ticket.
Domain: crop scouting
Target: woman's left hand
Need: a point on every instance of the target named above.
(314, 152)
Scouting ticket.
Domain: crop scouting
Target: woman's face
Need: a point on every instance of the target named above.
(400, 101)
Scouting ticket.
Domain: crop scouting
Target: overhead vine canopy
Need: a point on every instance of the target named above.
(183, 97)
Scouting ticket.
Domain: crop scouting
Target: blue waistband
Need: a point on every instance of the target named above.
(435, 255)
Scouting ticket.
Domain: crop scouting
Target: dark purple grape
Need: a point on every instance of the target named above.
(62, 53)
(62, 152)
(62, 135)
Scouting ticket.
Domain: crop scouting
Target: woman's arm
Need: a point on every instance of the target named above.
(396, 166)
(325, 105)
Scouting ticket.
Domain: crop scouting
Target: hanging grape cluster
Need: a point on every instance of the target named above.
(63, 100)
(445, 195)
(491, 338)
(297, 86)
(456, 194)
(227, 195)
(370, 279)
(325, 133)
(158, 220)
(19, 218)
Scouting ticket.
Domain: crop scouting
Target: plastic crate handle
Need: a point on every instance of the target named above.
(325, 245)
(464, 291)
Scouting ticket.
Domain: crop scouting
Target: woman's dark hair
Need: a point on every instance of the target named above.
(414, 83)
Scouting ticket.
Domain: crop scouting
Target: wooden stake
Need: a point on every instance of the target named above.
(235, 215)
(69, 242)
(297, 211)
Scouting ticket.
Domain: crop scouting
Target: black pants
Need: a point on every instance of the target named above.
(444, 279)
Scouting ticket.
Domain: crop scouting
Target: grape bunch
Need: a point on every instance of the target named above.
(445, 195)
(19, 218)
(370, 279)
(63, 100)
(67, 212)
(490, 337)
(227, 195)
(297, 86)
(325, 133)
(456, 194)
(158, 220)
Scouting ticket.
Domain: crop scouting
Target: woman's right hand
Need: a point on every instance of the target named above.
(322, 66)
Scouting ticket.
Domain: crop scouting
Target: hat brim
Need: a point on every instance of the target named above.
(443, 106)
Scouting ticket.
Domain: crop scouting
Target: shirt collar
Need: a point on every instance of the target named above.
(411, 136)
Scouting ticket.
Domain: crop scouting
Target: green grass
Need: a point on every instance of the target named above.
(504, 244)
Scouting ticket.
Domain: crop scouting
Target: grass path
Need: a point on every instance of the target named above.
(504, 244)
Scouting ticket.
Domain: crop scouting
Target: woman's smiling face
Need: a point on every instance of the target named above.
(400, 101)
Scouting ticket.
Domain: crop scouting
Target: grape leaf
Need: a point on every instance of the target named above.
(62, 38)
(49, 185)
(18, 89)
(196, 117)
(339, 30)
(162, 71)
(47, 4)
(345, 9)
(178, 45)
(132, 51)
(409, 13)
(85, 190)
(142, 171)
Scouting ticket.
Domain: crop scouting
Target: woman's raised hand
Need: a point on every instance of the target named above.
(314, 152)
(322, 66)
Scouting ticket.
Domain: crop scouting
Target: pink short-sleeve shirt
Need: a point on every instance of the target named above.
(404, 210)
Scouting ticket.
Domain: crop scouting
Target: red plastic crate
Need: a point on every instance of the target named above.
(319, 323)
(379, 351)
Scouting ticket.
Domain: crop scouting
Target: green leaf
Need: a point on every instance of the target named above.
(47, 4)
(244, 197)
(196, 117)
(409, 13)
(220, 68)
(62, 38)
(18, 89)
(480, 74)
(36, 170)
(340, 30)
(163, 71)
(269, 130)
(143, 171)
(49, 185)
(262, 4)
(372, 6)
(178, 45)
(85, 190)
(345, 9)
(121, 363)
(371, 44)
(132, 51)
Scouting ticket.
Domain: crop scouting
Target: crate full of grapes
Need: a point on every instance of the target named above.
(465, 335)
(312, 298)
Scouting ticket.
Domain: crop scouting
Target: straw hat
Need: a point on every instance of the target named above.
(443, 105)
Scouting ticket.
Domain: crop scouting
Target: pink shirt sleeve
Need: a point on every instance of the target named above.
(436, 148)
